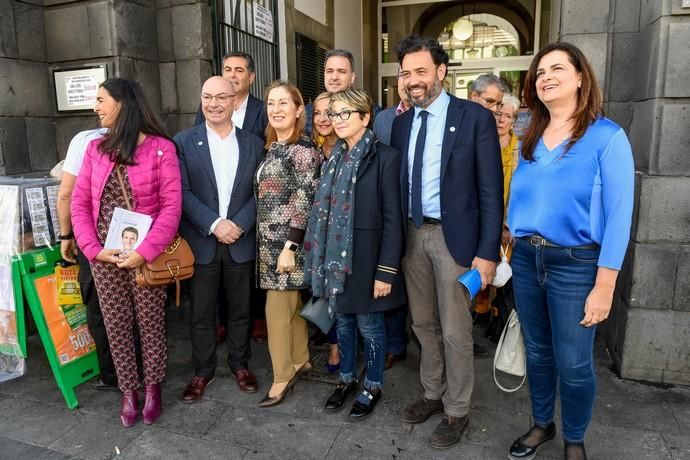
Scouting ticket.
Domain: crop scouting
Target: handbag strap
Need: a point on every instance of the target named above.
(498, 350)
(122, 186)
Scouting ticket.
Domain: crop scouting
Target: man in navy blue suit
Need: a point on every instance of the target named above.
(249, 113)
(452, 197)
(218, 162)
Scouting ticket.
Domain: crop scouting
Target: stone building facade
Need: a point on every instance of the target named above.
(639, 49)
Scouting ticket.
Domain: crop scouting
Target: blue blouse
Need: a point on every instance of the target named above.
(580, 197)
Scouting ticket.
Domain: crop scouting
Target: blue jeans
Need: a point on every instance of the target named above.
(372, 326)
(551, 286)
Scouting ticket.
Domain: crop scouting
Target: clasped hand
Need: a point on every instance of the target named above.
(123, 259)
(227, 232)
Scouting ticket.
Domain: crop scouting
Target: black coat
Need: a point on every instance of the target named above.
(378, 234)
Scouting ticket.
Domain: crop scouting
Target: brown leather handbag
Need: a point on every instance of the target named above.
(174, 264)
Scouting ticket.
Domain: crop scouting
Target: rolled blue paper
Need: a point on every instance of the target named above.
(472, 281)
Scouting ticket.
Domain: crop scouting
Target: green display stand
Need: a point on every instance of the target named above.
(37, 264)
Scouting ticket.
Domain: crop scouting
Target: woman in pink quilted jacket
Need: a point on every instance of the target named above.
(136, 144)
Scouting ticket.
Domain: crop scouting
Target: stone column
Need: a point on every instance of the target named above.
(648, 334)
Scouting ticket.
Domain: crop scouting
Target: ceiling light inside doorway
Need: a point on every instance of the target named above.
(463, 29)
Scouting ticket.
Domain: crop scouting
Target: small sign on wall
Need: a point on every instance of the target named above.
(263, 22)
(76, 89)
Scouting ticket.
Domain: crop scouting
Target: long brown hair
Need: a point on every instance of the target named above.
(136, 116)
(589, 99)
(296, 96)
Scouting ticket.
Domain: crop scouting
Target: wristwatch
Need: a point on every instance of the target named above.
(69, 236)
(291, 246)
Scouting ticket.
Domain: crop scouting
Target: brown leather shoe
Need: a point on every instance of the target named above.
(246, 380)
(195, 389)
(420, 410)
(448, 432)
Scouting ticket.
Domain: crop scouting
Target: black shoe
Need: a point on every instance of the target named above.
(525, 447)
(100, 385)
(360, 410)
(342, 391)
(574, 451)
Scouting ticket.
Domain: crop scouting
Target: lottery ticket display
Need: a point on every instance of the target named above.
(28, 214)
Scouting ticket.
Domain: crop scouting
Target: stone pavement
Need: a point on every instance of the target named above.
(631, 420)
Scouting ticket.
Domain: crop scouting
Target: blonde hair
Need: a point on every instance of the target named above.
(358, 99)
(316, 137)
(296, 96)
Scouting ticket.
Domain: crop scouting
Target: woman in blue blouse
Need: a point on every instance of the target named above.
(570, 212)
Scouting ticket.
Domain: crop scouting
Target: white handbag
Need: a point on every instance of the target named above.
(510, 353)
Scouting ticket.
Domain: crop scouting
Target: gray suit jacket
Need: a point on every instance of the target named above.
(200, 194)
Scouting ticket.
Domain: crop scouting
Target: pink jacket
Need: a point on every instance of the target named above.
(156, 186)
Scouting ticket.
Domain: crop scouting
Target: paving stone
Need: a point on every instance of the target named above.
(630, 443)
(96, 437)
(20, 450)
(156, 443)
(37, 423)
(678, 445)
(191, 419)
(275, 431)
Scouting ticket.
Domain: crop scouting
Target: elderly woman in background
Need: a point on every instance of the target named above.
(325, 138)
(354, 243)
(135, 162)
(570, 211)
(284, 189)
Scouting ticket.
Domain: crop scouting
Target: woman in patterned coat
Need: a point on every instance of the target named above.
(284, 188)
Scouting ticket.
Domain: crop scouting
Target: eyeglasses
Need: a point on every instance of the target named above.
(343, 115)
(221, 98)
(504, 115)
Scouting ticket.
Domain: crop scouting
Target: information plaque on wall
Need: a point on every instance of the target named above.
(76, 89)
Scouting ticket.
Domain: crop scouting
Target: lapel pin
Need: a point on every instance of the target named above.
(200, 143)
(452, 129)
(160, 153)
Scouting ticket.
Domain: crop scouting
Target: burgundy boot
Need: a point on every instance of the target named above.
(152, 403)
(129, 408)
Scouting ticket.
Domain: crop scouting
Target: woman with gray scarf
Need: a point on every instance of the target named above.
(353, 245)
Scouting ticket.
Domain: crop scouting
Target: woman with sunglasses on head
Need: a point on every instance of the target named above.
(325, 138)
(284, 190)
(135, 162)
(571, 201)
(353, 245)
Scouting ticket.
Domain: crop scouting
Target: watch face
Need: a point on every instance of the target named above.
(501, 51)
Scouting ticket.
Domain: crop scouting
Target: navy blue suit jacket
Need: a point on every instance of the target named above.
(200, 194)
(471, 179)
(255, 119)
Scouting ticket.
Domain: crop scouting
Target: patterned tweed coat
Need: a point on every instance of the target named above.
(284, 188)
